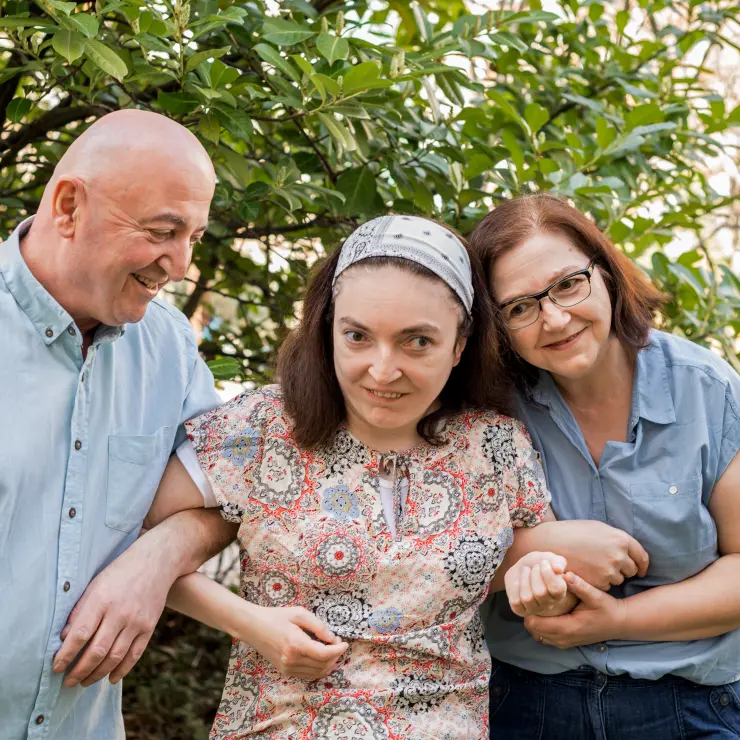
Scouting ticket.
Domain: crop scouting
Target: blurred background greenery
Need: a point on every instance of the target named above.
(320, 114)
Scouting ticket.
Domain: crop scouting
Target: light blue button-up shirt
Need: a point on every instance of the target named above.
(684, 430)
(83, 444)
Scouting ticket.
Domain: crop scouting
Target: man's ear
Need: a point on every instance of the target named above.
(67, 198)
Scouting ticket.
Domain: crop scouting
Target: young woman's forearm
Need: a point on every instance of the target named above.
(203, 599)
(706, 605)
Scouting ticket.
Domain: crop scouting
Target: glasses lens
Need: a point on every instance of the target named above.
(570, 291)
(522, 313)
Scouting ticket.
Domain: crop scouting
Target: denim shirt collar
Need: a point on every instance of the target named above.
(44, 312)
(651, 397)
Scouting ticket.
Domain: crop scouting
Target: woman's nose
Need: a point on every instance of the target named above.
(383, 369)
(554, 317)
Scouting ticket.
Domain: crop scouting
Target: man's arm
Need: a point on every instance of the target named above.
(706, 605)
(120, 608)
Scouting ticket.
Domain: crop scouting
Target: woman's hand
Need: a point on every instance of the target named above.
(601, 554)
(535, 586)
(280, 635)
(597, 617)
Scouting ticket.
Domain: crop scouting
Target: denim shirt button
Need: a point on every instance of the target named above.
(724, 700)
(40, 719)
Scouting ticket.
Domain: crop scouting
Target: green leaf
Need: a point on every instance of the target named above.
(285, 33)
(225, 368)
(654, 128)
(508, 109)
(105, 58)
(332, 47)
(536, 116)
(222, 75)
(304, 65)
(362, 77)
(272, 56)
(206, 54)
(14, 21)
(605, 133)
(68, 44)
(330, 85)
(644, 114)
(517, 156)
(18, 109)
(338, 132)
(64, 7)
(504, 38)
(177, 104)
(637, 92)
(358, 187)
(82, 22)
(210, 127)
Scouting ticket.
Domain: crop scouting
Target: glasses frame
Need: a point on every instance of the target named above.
(588, 271)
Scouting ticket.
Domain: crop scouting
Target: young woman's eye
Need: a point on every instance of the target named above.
(420, 342)
(354, 336)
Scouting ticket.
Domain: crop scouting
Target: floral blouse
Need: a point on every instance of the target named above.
(313, 534)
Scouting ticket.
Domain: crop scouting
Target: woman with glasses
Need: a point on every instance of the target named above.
(637, 429)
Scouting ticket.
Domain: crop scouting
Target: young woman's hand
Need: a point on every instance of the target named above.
(280, 635)
(535, 586)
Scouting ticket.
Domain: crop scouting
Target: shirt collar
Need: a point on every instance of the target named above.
(652, 398)
(47, 316)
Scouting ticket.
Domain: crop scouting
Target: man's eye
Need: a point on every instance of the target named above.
(162, 234)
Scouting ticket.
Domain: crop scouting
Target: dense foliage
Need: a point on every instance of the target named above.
(321, 114)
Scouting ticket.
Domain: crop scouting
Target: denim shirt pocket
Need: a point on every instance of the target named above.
(135, 466)
(674, 526)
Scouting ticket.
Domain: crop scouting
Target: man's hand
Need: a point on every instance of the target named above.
(279, 634)
(597, 618)
(602, 555)
(115, 619)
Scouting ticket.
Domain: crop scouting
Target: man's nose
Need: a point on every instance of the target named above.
(176, 260)
(383, 369)
(554, 317)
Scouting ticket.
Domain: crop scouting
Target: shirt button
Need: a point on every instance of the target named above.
(602, 648)
(78, 444)
(724, 700)
(67, 585)
(40, 719)
(673, 489)
(72, 513)
(49, 333)
(71, 330)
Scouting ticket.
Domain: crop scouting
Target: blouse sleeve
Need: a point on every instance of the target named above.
(228, 442)
(522, 477)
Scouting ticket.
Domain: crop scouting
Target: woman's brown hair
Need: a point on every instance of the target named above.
(305, 365)
(634, 299)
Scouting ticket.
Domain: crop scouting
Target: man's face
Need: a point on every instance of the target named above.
(131, 239)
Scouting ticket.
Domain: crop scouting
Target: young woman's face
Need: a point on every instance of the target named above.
(396, 341)
(567, 342)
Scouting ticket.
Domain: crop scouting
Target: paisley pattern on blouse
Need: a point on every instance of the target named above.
(313, 534)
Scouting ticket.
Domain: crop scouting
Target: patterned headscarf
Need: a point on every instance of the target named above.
(415, 239)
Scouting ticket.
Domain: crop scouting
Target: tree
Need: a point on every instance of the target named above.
(322, 114)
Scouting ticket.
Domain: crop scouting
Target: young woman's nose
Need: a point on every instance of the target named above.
(383, 369)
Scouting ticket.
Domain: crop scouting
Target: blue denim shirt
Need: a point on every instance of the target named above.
(83, 444)
(683, 432)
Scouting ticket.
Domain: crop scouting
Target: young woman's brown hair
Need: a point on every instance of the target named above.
(635, 300)
(305, 364)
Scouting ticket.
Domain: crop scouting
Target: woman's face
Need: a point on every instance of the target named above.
(396, 341)
(567, 342)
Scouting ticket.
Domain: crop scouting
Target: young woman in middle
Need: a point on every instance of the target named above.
(376, 491)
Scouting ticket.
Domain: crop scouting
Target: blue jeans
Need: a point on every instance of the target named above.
(587, 705)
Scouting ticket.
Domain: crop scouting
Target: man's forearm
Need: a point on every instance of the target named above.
(706, 605)
(184, 541)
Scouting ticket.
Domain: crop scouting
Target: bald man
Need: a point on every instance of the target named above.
(96, 378)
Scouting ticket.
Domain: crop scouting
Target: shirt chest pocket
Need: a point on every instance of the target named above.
(135, 467)
(674, 526)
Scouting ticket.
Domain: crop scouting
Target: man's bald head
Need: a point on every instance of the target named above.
(120, 216)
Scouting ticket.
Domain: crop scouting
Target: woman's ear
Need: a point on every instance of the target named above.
(459, 347)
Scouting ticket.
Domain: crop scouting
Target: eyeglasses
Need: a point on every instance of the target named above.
(566, 292)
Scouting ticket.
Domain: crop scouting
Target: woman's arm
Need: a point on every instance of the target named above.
(279, 634)
(706, 605)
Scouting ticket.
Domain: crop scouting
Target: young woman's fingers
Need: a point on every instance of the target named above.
(554, 582)
(539, 589)
(511, 581)
(309, 621)
(525, 590)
